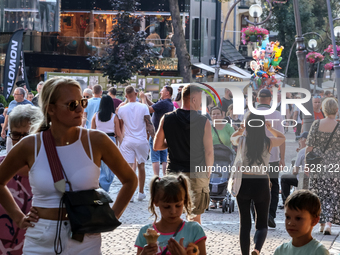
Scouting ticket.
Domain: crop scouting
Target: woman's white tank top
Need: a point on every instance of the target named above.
(81, 171)
(107, 126)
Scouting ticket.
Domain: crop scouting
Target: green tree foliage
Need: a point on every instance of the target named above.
(313, 19)
(126, 52)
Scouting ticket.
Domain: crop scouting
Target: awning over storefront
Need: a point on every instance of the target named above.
(230, 54)
(240, 70)
(222, 71)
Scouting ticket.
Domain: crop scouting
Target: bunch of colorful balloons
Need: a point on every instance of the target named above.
(265, 64)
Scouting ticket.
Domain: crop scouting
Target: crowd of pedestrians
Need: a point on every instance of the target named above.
(99, 137)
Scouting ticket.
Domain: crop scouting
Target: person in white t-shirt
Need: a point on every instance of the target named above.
(135, 118)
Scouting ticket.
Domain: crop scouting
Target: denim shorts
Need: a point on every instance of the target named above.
(158, 156)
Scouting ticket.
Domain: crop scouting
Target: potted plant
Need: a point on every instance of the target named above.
(253, 34)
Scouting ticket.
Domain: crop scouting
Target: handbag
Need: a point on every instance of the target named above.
(312, 158)
(235, 179)
(88, 210)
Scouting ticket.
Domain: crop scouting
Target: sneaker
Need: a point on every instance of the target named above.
(271, 222)
(140, 196)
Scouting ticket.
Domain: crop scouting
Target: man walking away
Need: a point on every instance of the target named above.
(136, 120)
(158, 109)
(92, 106)
(112, 93)
(188, 137)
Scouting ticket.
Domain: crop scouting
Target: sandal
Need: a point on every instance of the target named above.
(213, 205)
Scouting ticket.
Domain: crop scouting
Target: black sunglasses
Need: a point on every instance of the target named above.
(86, 96)
(16, 136)
(72, 106)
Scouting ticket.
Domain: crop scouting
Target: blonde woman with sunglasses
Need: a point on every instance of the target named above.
(81, 152)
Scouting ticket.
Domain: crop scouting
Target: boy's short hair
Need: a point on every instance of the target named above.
(304, 200)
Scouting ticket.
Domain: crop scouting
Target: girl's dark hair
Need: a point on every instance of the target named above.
(256, 138)
(170, 189)
(106, 108)
(178, 97)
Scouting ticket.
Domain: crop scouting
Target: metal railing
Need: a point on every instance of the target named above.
(81, 46)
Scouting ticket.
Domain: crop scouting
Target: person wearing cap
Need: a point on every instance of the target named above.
(277, 154)
(288, 180)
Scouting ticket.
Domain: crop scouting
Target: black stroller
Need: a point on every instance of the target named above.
(224, 160)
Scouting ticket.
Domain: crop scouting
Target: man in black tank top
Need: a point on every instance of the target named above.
(187, 135)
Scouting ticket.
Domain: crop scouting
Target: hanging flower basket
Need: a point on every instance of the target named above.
(330, 49)
(253, 34)
(329, 66)
(314, 57)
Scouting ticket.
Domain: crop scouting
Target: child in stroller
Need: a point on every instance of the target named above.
(224, 159)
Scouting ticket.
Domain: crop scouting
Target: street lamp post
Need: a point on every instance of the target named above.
(256, 15)
(311, 43)
(335, 52)
(302, 64)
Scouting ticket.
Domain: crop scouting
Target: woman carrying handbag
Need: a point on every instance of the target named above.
(324, 142)
(80, 152)
(254, 153)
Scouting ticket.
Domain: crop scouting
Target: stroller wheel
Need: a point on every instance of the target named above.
(224, 206)
(231, 206)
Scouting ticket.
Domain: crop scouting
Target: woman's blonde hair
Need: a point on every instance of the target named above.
(330, 106)
(170, 189)
(49, 95)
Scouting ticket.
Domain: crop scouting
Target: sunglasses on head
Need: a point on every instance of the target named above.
(16, 136)
(72, 105)
(317, 96)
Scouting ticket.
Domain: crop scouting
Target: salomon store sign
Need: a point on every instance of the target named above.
(12, 62)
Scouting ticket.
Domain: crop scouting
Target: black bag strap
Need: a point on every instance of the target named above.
(177, 230)
(217, 135)
(330, 138)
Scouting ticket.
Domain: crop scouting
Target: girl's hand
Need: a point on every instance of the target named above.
(26, 221)
(175, 247)
(150, 249)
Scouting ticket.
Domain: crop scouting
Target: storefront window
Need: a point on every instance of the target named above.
(42, 16)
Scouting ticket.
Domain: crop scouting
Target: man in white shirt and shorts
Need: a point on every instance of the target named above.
(137, 124)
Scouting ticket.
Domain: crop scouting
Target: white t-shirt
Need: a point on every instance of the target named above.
(133, 116)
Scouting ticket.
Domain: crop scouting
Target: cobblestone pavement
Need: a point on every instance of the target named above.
(221, 228)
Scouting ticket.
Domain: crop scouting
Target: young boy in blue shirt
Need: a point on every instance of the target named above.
(302, 210)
